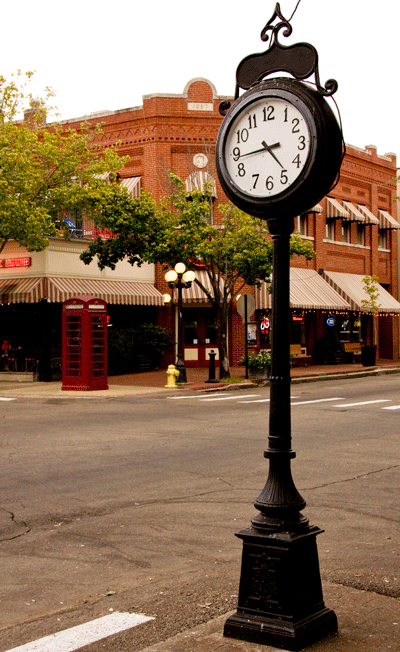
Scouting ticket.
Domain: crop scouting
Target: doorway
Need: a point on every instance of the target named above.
(199, 336)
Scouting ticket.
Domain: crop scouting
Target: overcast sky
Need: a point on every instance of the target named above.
(100, 55)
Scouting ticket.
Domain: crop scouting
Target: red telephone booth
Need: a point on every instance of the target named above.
(84, 343)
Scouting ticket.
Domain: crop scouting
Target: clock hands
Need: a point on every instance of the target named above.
(265, 148)
(269, 148)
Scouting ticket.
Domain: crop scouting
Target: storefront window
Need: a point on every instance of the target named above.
(191, 325)
(265, 331)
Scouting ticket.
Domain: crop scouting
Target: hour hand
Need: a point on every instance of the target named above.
(269, 149)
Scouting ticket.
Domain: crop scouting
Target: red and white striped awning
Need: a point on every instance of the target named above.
(195, 294)
(21, 290)
(355, 215)
(369, 217)
(308, 291)
(198, 180)
(133, 185)
(60, 289)
(334, 209)
(351, 288)
(386, 221)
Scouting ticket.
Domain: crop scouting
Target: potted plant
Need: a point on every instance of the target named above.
(259, 365)
(371, 306)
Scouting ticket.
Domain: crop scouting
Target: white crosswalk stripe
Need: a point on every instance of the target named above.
(77, 637)
(317, 400)
(391, 407)
(379, 400)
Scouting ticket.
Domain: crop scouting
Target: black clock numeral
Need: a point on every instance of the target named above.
(236, 153)
(269, 183)
(285, 114)
(297, 161)
(252, 121)
(284, 179)
(241, 170)
(268, 112)
(255, 176)
(295, 123)
(242, 135)
(302, 140)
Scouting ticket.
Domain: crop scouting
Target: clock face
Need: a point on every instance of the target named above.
(267, 147)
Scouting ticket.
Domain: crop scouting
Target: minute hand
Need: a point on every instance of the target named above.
(268, 148)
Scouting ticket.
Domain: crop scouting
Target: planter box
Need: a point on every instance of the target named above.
(259, 374)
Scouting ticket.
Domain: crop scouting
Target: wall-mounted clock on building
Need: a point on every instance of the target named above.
(279, 149)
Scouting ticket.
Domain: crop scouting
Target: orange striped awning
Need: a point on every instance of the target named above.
(308, 291)
(195, 294)
(351, 287)
(59, 289)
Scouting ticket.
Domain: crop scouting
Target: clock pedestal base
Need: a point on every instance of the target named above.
(280, 595)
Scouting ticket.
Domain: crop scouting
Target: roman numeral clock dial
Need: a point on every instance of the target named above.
(279, 149)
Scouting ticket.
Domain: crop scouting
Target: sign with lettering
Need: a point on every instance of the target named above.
(15, 262)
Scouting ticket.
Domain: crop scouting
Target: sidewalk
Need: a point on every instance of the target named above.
(368, 622)
(150, 382)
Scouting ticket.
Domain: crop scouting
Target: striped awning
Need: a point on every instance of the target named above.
(133, 185)
(198, 180)
(21, 290)
(335, 209)
(195, 294)
(351, 288)
(316, 209)
(355, 215)
(386, 221)
(369, 217)
(60, 289)
(308, 291)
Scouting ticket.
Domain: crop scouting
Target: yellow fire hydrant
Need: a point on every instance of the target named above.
(172, 375)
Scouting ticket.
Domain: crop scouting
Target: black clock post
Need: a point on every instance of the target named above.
(280, 595)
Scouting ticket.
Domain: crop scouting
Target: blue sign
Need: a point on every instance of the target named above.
(330, 321)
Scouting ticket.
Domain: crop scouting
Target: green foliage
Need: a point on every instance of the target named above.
(371, 304)
(129, 347)
(46, 171)
(260, 360)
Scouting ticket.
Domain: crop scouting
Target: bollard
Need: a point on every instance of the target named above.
(172, 375)
(211, 368)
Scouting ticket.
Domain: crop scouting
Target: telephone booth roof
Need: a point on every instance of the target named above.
(86, 299)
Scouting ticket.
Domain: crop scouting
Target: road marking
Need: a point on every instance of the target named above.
(195, 396)
(227, 398)
(318, 400)
(260, 400)
(81, 635)
(391, 407)
(7, 399)
(380, 400)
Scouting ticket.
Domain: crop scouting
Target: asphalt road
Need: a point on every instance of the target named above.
(132, 503)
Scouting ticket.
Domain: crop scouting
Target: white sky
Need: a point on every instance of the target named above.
(98, 55)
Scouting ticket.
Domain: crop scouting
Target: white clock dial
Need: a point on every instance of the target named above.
(267, 147)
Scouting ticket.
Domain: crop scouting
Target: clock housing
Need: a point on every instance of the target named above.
(279, 149)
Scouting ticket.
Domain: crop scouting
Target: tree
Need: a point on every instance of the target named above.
(46, 171)
(233, 253)
(371, 305)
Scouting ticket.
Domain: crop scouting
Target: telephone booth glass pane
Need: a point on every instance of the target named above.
(73, 336)
(97, 327)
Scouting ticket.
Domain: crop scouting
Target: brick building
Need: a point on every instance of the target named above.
(354, 231)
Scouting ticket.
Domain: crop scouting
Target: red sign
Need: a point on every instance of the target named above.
(15, 262)
(104, 234)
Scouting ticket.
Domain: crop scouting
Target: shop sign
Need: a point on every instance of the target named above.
(330, 321)
(6, 263)
(264, 326)
(104, 234)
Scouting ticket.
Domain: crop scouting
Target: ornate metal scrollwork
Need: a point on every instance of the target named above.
(299, 60)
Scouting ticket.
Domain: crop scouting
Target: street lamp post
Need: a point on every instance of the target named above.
(179, 278)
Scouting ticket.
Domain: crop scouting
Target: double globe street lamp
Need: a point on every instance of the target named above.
(180, 278)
